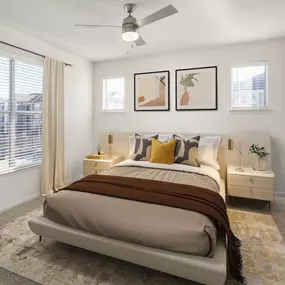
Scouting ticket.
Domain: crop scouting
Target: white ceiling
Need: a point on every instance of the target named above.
(198, 23)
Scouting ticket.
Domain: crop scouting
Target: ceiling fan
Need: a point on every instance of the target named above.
(130, 26)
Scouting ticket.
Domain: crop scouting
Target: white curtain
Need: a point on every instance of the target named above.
(53, 162)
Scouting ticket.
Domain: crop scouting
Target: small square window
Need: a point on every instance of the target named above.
(249, 87)
(114, 94)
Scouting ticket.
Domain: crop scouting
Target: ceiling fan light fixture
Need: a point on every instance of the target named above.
(130, 36)
(130, 31)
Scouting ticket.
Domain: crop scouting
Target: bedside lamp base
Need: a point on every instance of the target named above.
(239, 169)
(110, 150)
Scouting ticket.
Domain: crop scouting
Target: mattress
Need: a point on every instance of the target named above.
(141, 223)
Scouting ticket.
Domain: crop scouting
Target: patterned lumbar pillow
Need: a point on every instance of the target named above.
(186, 151)
(142, 148)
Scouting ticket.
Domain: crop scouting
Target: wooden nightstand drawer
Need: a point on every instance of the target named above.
(87, 171)
(239, 191)
(250, 192)
(251, 181)
(95, 166)
(103, 165)
(90, 164)
(263, 194)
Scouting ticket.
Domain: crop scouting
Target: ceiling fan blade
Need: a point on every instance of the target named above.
(156, 16)
(140, 42)
(96, 26)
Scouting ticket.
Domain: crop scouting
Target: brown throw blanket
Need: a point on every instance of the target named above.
(175, 195)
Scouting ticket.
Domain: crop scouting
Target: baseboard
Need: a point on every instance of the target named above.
(20, 202)
(34, 196)
(280, 194)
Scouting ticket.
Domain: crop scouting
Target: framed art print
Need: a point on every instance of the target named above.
(196, 89)
(151, 91)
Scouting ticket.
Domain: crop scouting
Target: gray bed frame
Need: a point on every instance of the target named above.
(204, 270)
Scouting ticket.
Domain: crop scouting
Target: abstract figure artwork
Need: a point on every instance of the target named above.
(151, 91)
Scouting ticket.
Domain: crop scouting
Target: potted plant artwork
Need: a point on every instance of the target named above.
(261, 154)
(196, 89)
(187, 81)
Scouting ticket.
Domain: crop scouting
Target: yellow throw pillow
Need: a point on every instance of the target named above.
(162, 153)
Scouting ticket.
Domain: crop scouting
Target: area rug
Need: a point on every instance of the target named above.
(54, 263)
(9, 278)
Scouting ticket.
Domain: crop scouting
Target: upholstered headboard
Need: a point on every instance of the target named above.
(225, 156)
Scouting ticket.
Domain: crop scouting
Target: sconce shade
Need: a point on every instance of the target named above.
(110, 139)
(230, 144)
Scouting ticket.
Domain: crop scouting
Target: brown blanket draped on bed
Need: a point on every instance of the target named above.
(175, 195)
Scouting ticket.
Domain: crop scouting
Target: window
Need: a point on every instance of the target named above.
(249, 87)
(113, 94)
(20, 114)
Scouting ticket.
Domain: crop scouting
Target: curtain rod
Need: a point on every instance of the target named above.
(29, 51)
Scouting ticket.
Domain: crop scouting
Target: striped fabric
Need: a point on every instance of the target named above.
(186, 151)
(142, 150)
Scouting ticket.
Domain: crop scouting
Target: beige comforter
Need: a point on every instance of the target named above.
(136, 222)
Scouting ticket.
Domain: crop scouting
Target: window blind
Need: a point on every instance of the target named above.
(20, 114)
(249, 87)
(113, 94)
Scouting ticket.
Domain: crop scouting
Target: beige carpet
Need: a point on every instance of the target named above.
(53, 263)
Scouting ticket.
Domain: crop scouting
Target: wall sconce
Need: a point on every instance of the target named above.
(230, 144)
(110, 142)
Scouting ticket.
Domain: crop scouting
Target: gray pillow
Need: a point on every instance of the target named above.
(142, 150)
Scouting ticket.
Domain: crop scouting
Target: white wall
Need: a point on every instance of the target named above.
(221, 121)
(24, 185)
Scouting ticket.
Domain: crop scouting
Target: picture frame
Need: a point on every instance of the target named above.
(196, 89)
(152, 91)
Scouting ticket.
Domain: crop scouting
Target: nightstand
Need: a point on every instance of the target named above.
(95, 166)
(250, 184)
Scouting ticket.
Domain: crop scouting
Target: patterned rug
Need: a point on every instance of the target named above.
(9, 278)
(53, 263)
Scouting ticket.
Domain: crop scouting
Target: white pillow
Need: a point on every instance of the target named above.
(161, 137)
(208, 151)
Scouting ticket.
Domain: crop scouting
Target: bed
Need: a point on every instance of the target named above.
(154, 236)
(204, 262)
